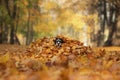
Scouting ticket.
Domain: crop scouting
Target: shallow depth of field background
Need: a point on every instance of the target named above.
(93, 22)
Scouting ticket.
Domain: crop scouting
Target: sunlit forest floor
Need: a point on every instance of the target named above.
(113, 48)
(12, 48)
(22, 48)
(72, 61)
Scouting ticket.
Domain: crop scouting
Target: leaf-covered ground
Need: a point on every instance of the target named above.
(43, 60)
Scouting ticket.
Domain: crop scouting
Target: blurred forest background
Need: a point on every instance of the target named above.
(94, 22)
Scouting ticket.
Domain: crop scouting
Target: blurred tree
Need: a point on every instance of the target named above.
(8, 16)
(11, 8)
(3, 20)
(108, 12)
(12, 16)
(50, 17)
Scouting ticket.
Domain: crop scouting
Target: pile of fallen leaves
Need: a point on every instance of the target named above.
(46, 50)
(43, 60)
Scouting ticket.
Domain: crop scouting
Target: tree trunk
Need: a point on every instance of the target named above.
(1, 33)
(28, 29)
(5, 33)
(12, 35)
(102, 19)
(12, 15)
(112, 27)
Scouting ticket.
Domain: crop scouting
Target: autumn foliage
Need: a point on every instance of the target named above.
(43, 60)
